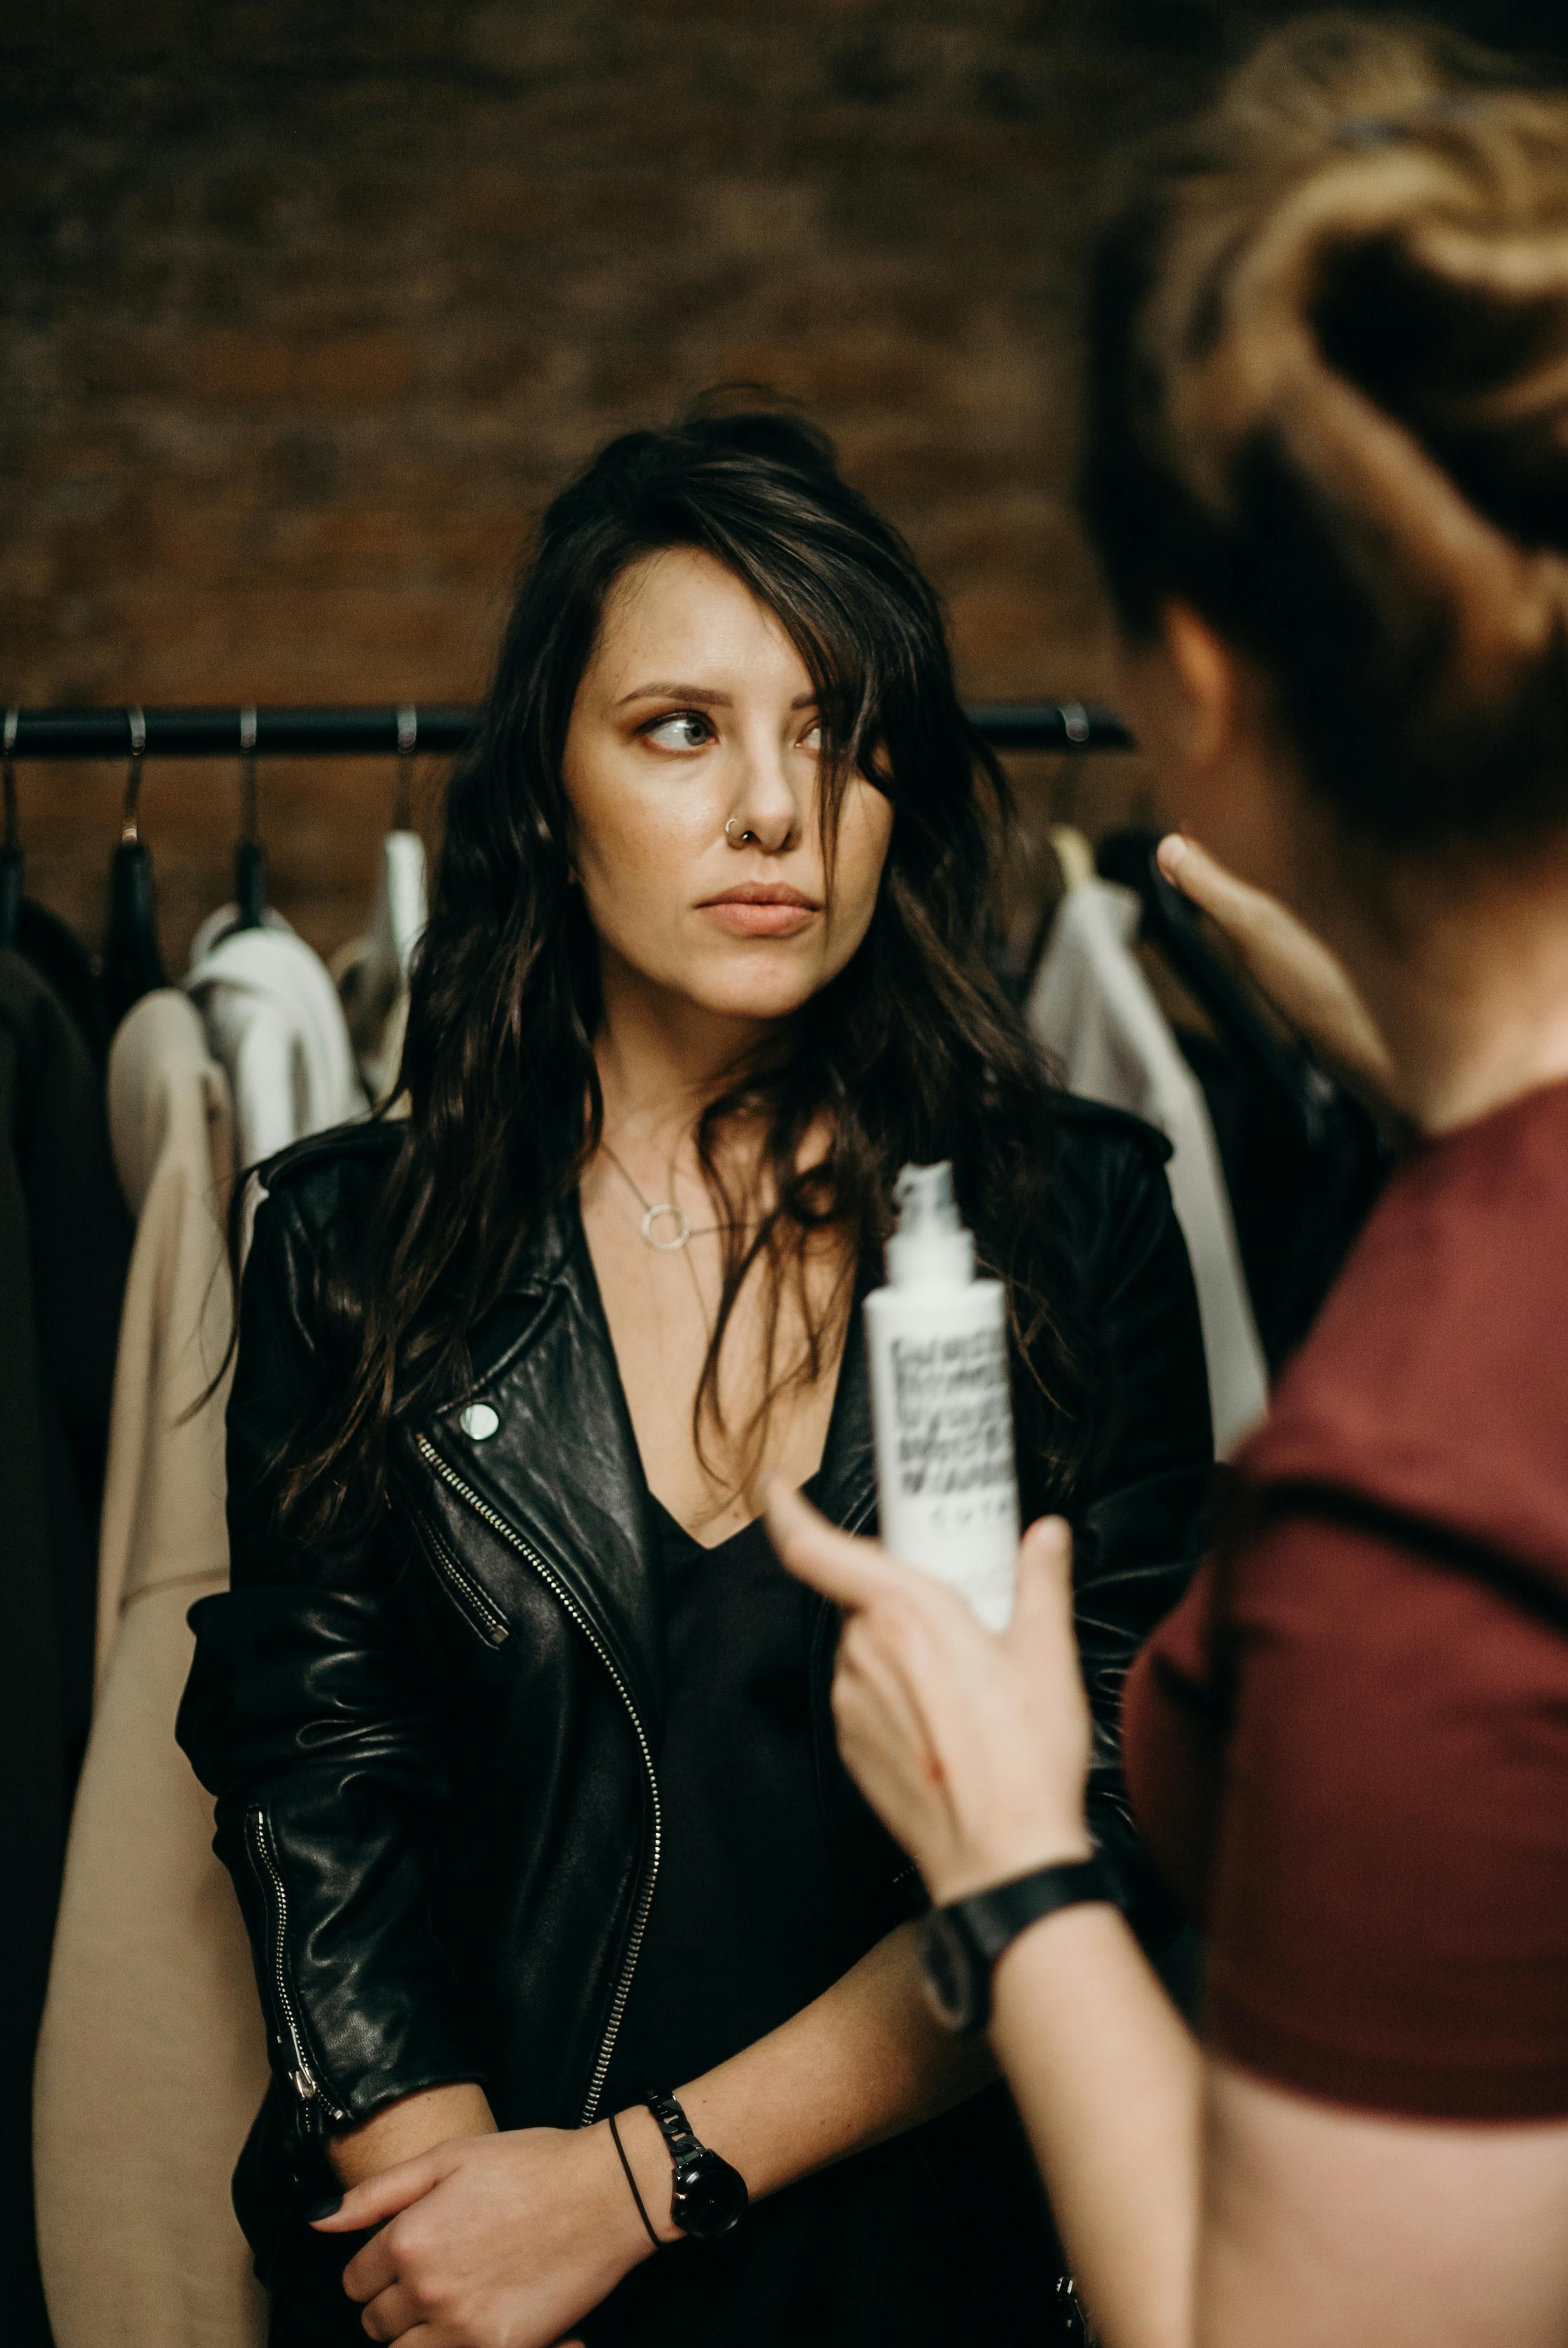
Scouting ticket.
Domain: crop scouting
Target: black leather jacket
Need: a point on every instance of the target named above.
(433, 1748)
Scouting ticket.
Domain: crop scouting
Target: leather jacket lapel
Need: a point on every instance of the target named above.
(560, 1464)
(848, 1485)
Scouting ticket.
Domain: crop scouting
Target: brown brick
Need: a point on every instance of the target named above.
(315, 304)
(304, 370)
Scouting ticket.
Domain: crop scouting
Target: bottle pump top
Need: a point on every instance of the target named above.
(930, 1245)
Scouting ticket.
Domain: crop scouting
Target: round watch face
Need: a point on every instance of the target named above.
(949, 1972)
(710, 2197)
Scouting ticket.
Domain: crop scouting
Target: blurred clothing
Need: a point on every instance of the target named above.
(1092, 1007)
(1348, 1745)
(151, 2058)
(63, 1245)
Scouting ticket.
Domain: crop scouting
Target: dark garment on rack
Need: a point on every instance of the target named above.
(59, 957)
(64, 1243)
(1304, 1163)
(1299, 1200)
(747, 1926)
(132, 963)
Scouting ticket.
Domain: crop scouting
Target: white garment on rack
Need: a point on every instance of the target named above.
(372, 971)
(1092, 1008)
(274, 1022)
(152, 2055)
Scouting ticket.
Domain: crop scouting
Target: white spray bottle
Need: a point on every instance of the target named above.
(946, 1487)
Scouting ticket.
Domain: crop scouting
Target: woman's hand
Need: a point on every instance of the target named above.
(1293, 969)
(973, 1749)
(399, 2132)
(494, 2241)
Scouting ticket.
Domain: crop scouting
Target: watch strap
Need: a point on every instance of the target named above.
(961, 1943)
(993, 1919)
(673, 2126)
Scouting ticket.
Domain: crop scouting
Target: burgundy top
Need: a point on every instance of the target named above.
(1348, 1745)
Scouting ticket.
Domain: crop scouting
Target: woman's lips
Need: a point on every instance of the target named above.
(761, 909)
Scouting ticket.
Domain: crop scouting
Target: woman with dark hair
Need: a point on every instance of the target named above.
(519, 1732)
(1329, 475)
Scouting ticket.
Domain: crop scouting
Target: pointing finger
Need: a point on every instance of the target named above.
(852, 1572)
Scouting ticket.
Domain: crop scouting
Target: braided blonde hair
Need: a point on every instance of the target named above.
(1330, 408)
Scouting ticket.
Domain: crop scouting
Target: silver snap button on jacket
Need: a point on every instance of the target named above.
(479, 1421)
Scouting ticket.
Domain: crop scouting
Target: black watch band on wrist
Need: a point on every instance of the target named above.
(708, 2197)
(959, 1944)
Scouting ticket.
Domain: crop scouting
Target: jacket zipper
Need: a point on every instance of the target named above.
(563, 1596)
(487, 1620)
(303, 2079)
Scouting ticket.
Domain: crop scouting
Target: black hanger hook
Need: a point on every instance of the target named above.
(10, 849)
(1062, 796)
(129, 830)
(8, 778)
(407, 743)
(249, 856)
(250, 812)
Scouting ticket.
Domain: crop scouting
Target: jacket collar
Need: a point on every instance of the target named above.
(562, 1468)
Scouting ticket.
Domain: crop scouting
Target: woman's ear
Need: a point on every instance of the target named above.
(1208, 678)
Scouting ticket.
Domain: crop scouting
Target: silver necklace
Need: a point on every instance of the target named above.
(654, 1210)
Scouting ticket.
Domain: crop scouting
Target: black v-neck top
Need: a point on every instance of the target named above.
(743, 1929)
(755, 1912)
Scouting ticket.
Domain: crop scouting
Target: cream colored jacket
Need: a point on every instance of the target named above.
(151, 2063)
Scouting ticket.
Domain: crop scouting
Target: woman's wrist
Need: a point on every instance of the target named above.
(642, 2173)
(402, 2131)
(981, 1864)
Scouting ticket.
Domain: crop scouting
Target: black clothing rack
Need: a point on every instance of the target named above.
(373, 730)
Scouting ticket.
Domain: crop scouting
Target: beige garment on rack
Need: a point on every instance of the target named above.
(371, 973)
(152, 2062)
(1092, 1007)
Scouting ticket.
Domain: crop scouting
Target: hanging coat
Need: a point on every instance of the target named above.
(63, 1242)
(1092, 1007)
(371, 972)
(274, 1022)
(151, 2059)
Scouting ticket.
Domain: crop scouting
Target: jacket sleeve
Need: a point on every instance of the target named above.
(1141, 1523)
(307, 1715)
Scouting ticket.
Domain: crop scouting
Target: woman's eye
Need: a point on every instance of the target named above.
(811, 740)
(684, 729)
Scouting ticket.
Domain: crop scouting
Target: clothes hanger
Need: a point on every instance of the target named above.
(371, 972)
(1066, 846)
(398, 916)
(40, 937)
(1173, 925)
(249, 856)
(1064, 836)
(1074, 856)
(132, 963)
(10, 845)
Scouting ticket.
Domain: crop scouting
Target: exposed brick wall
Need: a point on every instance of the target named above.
(311, 302)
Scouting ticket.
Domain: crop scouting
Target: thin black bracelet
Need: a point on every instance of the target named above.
(621, 2148)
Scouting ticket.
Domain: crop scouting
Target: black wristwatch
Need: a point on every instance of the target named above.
(709, 2197)
(959, 1945)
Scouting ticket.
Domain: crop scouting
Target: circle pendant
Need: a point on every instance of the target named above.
(682, 1229)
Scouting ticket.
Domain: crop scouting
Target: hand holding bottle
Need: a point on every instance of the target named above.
(946, 1488)
(973, 1746)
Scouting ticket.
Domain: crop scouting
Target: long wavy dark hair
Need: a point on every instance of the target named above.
(911, 1052)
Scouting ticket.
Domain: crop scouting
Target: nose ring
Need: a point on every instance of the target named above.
(729, 833)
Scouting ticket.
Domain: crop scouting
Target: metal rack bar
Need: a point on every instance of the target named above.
(373, 731)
